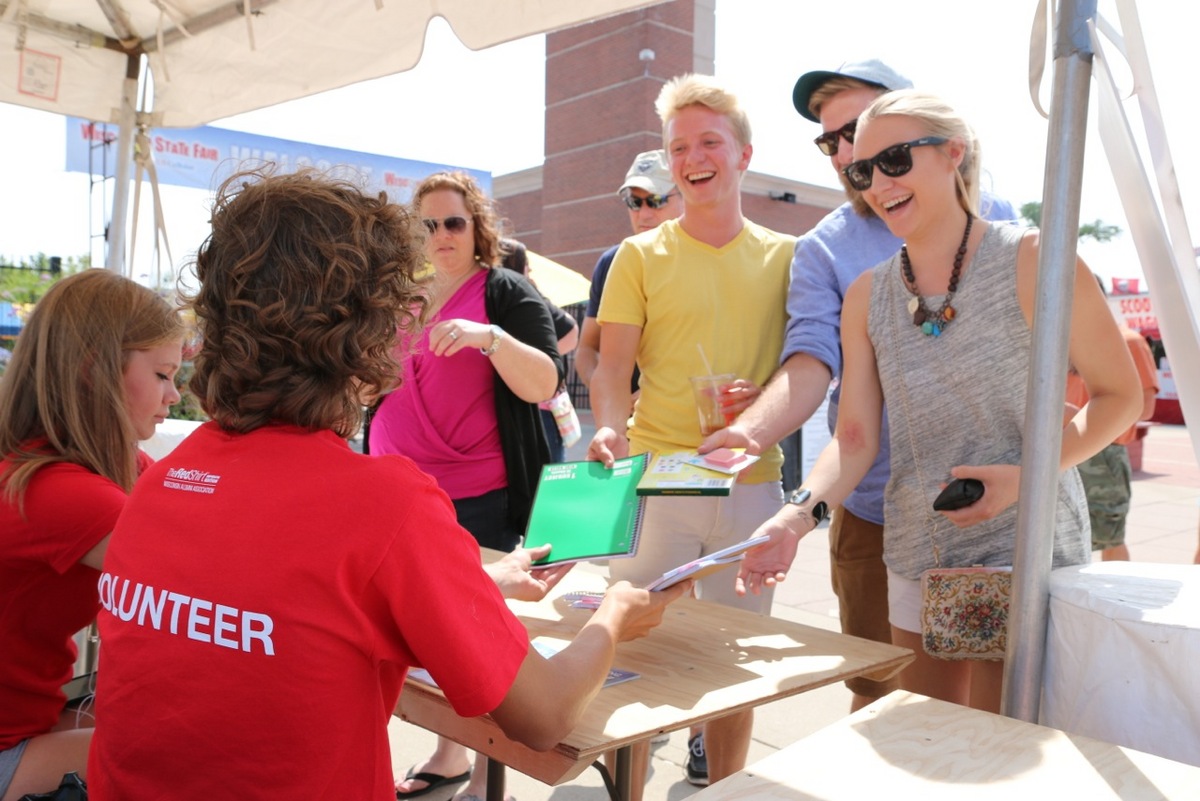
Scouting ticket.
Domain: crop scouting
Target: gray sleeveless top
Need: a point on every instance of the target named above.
(959, 399)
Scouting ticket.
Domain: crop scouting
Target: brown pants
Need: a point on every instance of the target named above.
(859, 580)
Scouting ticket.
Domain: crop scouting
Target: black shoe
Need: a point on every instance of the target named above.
(695, 769)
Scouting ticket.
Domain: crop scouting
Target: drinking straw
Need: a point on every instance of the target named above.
(703, 358)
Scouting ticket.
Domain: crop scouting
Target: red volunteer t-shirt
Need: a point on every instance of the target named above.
(46, 595)
(262, 598)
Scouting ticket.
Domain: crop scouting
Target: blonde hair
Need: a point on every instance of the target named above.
(834, 87)
(62, 398)
(701, 90)
(939, 119)
(485, 221)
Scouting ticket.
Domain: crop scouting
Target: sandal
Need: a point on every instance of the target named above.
(432, 782)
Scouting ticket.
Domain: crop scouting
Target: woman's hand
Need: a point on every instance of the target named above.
(518, 579)
(768, 564)
(450, 336)
(636, 611)
(607, 446)
(1001, 486)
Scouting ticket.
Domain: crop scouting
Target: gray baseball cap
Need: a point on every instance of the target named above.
(872, 71)
(651, 173)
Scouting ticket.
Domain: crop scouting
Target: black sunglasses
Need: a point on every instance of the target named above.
(827, 142)
(455, 224)
(653, 201)
(892, 161)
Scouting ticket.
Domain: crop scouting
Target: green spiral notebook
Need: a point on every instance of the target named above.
(586, 511)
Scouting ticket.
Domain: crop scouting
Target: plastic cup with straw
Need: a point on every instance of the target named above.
(707, 390)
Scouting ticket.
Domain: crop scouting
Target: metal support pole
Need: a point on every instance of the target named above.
(126, 128)
(1029, 611)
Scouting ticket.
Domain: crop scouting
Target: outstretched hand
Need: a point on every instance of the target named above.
(519, 580)
(636, 611)
(768, 564)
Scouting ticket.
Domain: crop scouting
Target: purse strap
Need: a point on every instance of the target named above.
(934, 518)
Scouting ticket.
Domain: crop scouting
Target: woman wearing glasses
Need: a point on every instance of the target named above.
(941, 334)
(466, 410)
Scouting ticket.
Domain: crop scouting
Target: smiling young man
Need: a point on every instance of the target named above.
(701, 294)
(847, 242)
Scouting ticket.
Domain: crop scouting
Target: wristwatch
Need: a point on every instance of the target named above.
(819, 510)
(497, 335)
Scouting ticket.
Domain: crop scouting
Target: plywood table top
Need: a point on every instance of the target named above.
(705, 661)
(910, 746)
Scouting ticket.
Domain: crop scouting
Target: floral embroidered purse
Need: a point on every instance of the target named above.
(964, 611)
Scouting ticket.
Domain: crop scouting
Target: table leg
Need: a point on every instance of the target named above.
(618, 787)
(495, 780)
(624, 778)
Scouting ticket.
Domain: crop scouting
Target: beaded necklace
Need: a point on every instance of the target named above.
(932, 323)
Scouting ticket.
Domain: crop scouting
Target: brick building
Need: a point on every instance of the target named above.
(601, 82)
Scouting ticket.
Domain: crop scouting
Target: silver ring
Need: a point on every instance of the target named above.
(454, 335)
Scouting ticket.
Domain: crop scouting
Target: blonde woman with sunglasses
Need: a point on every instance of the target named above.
(940, 333)
(466, 410)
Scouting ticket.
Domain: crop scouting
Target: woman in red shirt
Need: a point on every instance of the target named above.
(92, 373)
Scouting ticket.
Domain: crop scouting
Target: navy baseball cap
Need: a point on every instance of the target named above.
(873, 72)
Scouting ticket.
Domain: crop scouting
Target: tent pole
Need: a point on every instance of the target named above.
(1029, 612)
(126, 128)
(1170, 262)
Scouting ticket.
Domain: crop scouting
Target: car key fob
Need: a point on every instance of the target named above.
(959, 493)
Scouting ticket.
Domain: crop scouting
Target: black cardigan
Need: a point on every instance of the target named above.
(512, 303)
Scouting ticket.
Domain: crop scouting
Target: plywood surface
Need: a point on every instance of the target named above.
(704, 661)
(909, 746)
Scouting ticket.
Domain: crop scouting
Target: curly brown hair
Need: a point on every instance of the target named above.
(486, 223)
(305, 284)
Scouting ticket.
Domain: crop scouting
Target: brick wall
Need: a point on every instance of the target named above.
(600, 114)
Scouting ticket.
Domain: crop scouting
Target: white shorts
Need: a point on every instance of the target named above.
(678, 529)
(904, 603)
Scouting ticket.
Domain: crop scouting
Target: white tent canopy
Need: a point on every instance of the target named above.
(211, 59)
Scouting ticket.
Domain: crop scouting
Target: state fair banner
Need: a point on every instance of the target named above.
(202, 158)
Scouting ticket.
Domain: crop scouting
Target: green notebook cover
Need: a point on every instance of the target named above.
(586, 511)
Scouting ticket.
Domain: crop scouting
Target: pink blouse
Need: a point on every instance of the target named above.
(443, 416)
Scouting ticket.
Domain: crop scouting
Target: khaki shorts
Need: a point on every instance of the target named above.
(676, 530)
(859, 580)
